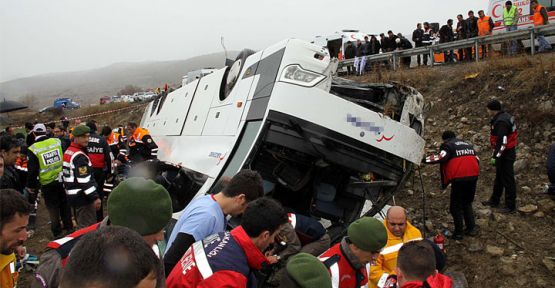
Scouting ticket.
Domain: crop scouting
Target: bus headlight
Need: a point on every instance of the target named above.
(295, 74)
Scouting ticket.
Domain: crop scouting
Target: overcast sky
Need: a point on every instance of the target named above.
(45, 36)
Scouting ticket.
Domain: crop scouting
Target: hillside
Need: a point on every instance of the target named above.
(515, 250)
(88, 86)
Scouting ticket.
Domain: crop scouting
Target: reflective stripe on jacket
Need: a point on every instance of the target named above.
(387, 260)
(77, 174)
(343, 274)
(49, 155)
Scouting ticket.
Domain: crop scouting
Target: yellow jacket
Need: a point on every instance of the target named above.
(387, 260)
(8, 275)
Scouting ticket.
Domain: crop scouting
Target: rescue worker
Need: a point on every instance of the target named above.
(348, 260)
(110, 245)
(234, 255)
(503, 140)
(81, 187)
(100, 154)
(205, 216)
(416, 267)
(13, 233)
(138, 204)
(510, 20)
(141, 145)
(540, 17)
(305, 271)
(485, 28)
(45, 169)
(399, 231)
(417, 36)
(459, 165)
(115, 141)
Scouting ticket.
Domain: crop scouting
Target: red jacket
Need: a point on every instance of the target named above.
(343, 274)
(221, 260)
(458, 161)
(435, 281)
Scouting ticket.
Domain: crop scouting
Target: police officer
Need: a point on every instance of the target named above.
(141, 145)
(45, 167)
(503, 139)
(100, 154)
(81, 188)
(460, 168)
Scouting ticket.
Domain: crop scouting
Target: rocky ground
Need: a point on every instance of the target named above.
(515, 250)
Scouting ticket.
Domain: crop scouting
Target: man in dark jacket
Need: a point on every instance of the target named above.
(417, 35)
(375, 45)
(81, 188)
(360, 60)
(10, 151)
(384, 43)
(461, 34)
(471, 31)
(45, 167)
(446, 35)
(427, 40)
(503, 140)
(61, 133)
(100, 154)
(350, 54)
(404, 44)
(460, 168)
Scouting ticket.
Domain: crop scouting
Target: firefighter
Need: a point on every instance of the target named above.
(233, 256)
(100, 154)
(460, 167)
(138, 204)
(503, 140)
(399, 231)
(81, 187)
(347, 260)
(45, 168)
(141, 145)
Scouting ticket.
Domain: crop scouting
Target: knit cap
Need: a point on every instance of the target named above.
(80, 130)
(308, 272)
(141, 205)
(368, 234)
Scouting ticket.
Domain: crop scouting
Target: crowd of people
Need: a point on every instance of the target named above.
(426, 35)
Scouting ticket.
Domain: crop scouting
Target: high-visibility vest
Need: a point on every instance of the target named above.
(483, 26)
(538, 17)
(49, 153)
(509, 16)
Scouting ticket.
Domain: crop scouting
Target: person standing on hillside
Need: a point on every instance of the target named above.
(503, 139)
(417, 35)
(471, 32)
(81, 188)
(459, 167)
(45, 168)
(540, 17)
(461, 34)
(551, 170)
(350, 54)
(446, 35)
(485, 28)
(510, 20)
(100, 154)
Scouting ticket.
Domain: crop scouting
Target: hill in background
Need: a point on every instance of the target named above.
(88, 86)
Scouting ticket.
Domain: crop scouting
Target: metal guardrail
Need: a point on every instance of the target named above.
(524, 34)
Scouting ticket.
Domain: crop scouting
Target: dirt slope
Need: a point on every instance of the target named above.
(515, 250)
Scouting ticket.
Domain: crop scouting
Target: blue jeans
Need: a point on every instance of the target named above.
(511, 49)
